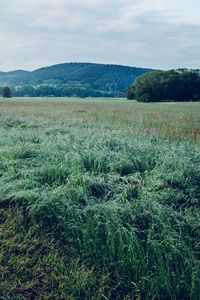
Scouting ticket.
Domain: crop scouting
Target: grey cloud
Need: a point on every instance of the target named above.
(147, 33)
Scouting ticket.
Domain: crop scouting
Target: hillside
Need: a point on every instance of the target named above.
(73, 79)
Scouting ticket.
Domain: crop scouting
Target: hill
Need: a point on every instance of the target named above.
(73, 79)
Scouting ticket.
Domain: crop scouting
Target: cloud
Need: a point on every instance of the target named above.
(151, 33)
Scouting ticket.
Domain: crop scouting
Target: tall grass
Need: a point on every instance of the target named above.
(111, 189)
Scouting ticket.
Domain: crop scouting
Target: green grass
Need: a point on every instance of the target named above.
(99, 199)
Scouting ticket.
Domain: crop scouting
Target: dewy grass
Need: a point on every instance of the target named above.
(102, 204)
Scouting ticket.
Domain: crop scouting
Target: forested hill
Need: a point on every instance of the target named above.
(72, 79)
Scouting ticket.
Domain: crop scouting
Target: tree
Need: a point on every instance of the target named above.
(130, 93)
(172, 85)
(7, 92)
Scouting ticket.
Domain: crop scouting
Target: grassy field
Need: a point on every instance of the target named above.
(99, 199)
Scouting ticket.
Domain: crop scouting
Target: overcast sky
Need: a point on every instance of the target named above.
(144, 33)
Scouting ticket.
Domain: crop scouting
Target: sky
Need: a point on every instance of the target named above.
(161, 34)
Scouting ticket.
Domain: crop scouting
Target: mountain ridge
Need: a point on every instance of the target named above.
(74, 63)
(108, 79)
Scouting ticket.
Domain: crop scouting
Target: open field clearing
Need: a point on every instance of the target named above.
(171, 120)
(99, 199)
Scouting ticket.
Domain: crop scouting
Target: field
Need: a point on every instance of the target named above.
(99, 199)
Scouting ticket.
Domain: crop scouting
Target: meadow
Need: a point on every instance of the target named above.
(99, 199)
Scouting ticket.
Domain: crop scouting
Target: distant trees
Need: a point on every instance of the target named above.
(7, 92)
(61, 90)
(172, 85)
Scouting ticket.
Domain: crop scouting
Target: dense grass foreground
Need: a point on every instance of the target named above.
(99, 200)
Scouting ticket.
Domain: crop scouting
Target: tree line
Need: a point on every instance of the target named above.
(60, 90)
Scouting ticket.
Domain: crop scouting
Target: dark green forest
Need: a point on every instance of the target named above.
(72, 79)
(172, 85)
